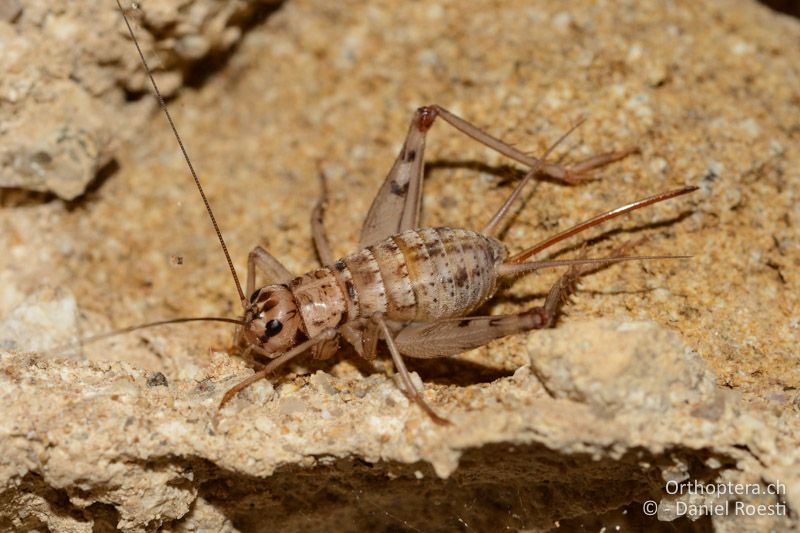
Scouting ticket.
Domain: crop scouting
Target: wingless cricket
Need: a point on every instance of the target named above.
(412, 287)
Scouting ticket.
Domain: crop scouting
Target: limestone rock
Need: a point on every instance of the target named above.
(657, 375)
(67, 69)
(110, 434)
(47, 320)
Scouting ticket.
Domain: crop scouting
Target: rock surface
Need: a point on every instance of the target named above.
(609, 432)
(664, 371)
(67, 69)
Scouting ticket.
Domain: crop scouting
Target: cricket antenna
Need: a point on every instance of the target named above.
(163, 104)
(122, 331)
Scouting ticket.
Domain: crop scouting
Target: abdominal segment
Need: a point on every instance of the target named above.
(418, 275)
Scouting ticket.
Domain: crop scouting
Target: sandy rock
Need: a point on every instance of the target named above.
(67, 70)
(47, 320)
(151, 448)
(611, 372)
(657, 373)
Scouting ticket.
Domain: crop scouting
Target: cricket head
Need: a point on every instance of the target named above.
(272, 321)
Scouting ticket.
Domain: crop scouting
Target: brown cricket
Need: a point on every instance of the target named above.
(410, 286)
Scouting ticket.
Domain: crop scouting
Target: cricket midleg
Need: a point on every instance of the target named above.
(419, 275)
(408, 384)
(455, 335)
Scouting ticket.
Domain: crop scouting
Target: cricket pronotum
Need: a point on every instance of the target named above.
(410, 286)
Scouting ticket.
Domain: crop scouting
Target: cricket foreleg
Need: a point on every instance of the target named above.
(324, 336)
(400, 365)
(325, 350)
(456, 335)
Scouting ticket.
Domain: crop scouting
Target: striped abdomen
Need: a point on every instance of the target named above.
(418, 275)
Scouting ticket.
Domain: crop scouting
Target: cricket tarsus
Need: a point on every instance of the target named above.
(163, 104)
(413, 287)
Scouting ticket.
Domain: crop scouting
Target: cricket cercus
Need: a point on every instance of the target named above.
(412, 287)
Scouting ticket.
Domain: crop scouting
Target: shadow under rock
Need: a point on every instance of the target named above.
(496, 487)
(787, 7)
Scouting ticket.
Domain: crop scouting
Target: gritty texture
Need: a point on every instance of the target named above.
(693, 373)
(296, 452)
(68, 67)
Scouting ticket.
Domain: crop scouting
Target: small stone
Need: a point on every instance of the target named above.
(47, 320)
(157, 379)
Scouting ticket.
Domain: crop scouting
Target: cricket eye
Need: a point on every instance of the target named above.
(273, 327)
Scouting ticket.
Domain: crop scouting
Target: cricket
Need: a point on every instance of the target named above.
(412, 287)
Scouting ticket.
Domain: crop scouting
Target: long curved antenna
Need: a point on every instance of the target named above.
(128, 329)
(163, 104)
(598, 219)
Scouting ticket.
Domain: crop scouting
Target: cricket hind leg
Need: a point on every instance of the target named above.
(496, 222)
(396, 207)
(457, 335)
(568, 174)
(453, 336)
